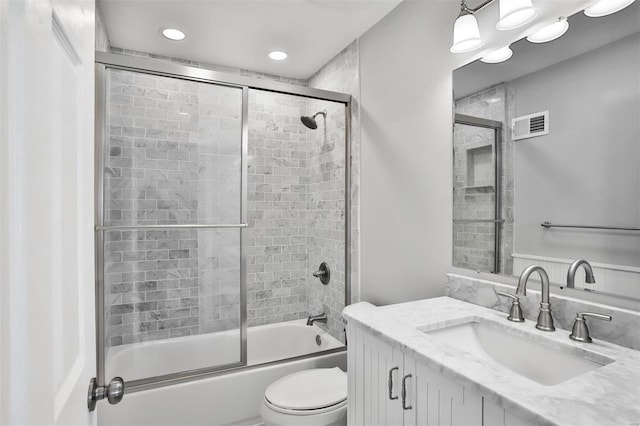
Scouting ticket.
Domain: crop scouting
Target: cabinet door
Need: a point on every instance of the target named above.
(436, 400)
(495, 415)
(374, 371)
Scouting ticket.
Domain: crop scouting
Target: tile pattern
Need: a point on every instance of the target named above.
(296, 212)
(277, 195)
(474, 192)
(326, 216)
(172, 157)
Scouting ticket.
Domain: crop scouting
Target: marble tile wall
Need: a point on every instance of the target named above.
(171, 144)
(294, 173)
(341, 74)
(474, 192)
(278, 190)
(326, 213)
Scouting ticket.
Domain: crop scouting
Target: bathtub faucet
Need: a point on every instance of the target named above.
(317, 318)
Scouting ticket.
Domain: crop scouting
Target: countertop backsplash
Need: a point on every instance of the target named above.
(623, 330)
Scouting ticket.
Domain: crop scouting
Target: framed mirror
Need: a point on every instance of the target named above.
(547, 156)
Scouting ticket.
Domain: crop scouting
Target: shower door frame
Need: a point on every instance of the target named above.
(104, 61)
(498, 221)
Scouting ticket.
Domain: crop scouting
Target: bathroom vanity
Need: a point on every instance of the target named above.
(443, 361)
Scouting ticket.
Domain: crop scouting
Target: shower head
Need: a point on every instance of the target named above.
(311, 122)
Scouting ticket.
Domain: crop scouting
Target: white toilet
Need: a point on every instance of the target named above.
(316, 397)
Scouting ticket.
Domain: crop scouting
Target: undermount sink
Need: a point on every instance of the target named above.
(524, 354)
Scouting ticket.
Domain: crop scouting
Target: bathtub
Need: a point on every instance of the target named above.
(231, 398)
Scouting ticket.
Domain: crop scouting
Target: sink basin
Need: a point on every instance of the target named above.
(526, 355)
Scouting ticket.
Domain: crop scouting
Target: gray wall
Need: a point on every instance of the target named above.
(406, 153)
(586, 171)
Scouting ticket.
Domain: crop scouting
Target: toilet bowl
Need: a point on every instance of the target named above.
(316, 397)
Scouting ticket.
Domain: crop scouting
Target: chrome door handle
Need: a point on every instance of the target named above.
(404, 393)
(390, 383)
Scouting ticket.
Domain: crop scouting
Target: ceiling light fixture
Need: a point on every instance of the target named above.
(497, 56)
(277, 55)
(550, 32)
(606, 7)
(466, 34)
(173, 34)
(515, 13)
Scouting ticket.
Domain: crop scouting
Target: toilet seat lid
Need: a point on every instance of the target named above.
(309, 389)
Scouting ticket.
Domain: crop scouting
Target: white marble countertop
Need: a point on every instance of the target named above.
(607, 396)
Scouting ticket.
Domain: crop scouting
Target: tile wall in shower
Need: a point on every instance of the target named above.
(291, 169)
(327, 186)
(172, 157)
(474, 243)
(277, 210)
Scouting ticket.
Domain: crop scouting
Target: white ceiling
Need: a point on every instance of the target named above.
(240, 33)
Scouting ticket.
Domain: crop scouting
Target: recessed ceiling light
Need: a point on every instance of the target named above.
(550, 32)
(173, 34)
(497, 56)
(606, 7)
(277, 55)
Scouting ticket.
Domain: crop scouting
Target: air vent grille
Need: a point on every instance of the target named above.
(529, 126)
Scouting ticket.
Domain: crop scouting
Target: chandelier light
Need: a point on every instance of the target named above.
(606, 7)
(466, 34)
(497, 56)
(515, 13)
(550, 32)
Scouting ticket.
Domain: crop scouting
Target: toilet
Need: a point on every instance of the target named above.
(316, 397)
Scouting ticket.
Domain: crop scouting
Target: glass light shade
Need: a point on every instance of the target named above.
(173, 34)
(515, 13)
(497, 56)
(606, 7)
(550, 32)
(466, 34)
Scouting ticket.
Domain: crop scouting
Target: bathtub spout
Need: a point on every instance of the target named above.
(317, 318)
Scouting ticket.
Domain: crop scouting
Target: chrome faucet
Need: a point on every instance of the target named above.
(545, 320)
(317, 318)
(571, 275)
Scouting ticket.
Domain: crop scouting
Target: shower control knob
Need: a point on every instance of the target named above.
(324, 273)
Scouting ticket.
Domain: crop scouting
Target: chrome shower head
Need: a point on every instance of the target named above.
(311, 122)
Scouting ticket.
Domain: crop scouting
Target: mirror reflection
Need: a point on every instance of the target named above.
(547, 156)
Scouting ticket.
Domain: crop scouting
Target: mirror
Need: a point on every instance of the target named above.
(552, 137)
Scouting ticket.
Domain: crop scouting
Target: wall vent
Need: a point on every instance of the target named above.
(529, 126)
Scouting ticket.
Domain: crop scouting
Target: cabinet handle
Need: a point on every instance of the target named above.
(404, 393)
(390, 383)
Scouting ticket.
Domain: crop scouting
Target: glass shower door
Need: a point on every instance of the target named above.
(171, 225)
(477, 218)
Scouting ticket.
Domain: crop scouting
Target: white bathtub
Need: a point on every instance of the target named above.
(231, 398)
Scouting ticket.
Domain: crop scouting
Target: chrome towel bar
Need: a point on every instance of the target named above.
(548, 224)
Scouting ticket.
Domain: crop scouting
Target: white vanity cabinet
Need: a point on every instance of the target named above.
(387, 387)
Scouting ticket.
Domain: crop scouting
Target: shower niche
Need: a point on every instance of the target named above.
(480, 164)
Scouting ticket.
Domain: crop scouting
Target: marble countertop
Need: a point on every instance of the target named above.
(607, 396)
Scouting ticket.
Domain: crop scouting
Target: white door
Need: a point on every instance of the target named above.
(47, 336)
